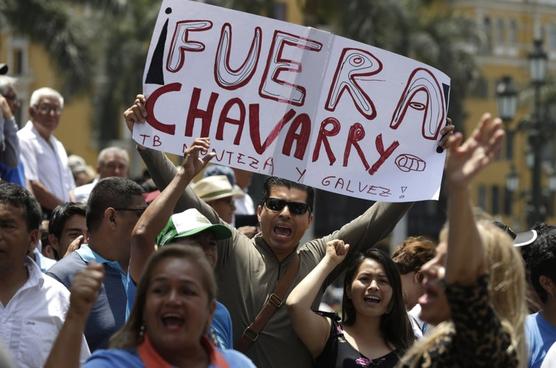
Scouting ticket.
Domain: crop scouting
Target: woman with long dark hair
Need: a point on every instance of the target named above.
(374, 330)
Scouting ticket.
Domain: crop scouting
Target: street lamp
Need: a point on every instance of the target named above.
(512, 180)
(537, 67)
(506, 98)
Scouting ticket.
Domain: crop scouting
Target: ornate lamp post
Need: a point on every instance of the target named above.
(506, 98)
(537, 67)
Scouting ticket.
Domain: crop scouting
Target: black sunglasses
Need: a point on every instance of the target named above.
(276, 204)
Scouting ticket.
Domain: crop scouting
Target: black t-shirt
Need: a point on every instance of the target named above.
(338, 353)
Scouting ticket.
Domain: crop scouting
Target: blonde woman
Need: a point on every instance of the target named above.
(475, 285)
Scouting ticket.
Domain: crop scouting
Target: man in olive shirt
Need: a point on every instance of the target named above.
(248, 269)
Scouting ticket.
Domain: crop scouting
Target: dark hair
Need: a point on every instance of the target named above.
(19, 197)
(112, 192)
(413, 253)
(129, 336)
(395, 327)
(275, 181)
(541, 259)
(61, 214)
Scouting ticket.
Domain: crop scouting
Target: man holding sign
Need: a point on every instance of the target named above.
(249, 270)
(307, 108)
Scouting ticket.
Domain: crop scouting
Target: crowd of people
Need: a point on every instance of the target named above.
(103, 271)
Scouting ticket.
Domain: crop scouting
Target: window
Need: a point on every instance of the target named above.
(552, 37)
(18, 56)
(479, 88)
(508, 202)
(481, 201)
(487, 35)
(512, 33)
(495, 198)
(500, 32)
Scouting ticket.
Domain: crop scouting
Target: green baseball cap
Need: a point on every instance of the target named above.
(189, 223)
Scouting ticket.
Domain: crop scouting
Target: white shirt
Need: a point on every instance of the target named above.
(419, 326)
(244, 205)
(550, 358)
(46, 162)
(30, 322)
(81, 193)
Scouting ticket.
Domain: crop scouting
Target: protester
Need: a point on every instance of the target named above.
(549, 360)
(32, 305)
(481, 310)
(168, 323)
(374, 325)
(245, 224)
(113, 209)
(66, 224)
(157, 224)
(111, 161)
(84, 292)
(540, 327)
(409, 257)
(81, 171)
(44, 157)
(244, 204)
(218, 193)
(248, 269)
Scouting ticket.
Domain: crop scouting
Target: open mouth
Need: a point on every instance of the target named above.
(372, 299)
(282, 231)
(172, 321)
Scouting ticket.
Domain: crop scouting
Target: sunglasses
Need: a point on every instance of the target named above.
(295, 208)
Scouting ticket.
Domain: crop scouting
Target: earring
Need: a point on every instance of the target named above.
(142, 330)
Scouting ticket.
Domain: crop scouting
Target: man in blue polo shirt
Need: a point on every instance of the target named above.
(540, 327)
(113, 209)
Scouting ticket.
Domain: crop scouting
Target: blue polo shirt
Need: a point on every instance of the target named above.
(109, 311)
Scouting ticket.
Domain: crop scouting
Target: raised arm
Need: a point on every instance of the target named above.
(312, 328)
(466, 256)
(159, 211)
(66, 351)
(10, 154)
(162, 170)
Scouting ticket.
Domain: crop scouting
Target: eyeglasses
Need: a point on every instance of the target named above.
(49, 109)
(276, 204)
(138, 211)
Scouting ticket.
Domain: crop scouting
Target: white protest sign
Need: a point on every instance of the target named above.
(294, 102)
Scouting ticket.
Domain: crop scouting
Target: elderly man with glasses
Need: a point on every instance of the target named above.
(44, 157)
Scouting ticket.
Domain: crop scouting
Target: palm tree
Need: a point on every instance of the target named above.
(54, 25)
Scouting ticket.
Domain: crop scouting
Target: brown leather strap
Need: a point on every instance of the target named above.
(270, 306)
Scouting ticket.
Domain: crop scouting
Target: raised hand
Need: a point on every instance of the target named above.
(336, 251)
(193, 164)
(136, 113)
(467, 159)
(75, 245)
(445, 134)
(5, 108)
(84, 289)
